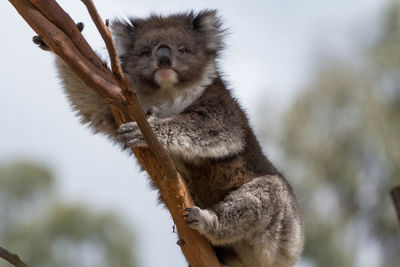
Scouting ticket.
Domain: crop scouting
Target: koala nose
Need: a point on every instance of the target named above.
(163, 56)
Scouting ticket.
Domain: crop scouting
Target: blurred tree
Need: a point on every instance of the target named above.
(340, 143)
(44, 232)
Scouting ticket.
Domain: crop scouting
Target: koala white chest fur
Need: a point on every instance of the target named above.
(244, 206)
(168, 100)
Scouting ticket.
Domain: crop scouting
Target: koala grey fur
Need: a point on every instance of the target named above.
(244, 206)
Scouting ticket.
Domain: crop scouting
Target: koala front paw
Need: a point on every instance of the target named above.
(39, 41)
(42, 45)
(200, 219)
(130, 134)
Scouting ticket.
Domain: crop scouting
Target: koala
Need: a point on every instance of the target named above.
(244, 205)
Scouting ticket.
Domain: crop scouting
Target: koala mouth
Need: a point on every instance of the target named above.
(166, 77)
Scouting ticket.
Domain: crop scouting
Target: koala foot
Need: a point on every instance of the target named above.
(200, 219)
(38, 40)
(80, 26)
(130, 134)
(42, 45)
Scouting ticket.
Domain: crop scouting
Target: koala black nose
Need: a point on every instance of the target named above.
(163, 56)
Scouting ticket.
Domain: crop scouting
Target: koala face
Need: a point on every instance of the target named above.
(167, 52)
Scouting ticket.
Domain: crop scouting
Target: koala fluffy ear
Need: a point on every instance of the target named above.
(209, 24)
(123, 32)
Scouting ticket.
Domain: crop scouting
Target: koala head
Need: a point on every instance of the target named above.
(168, 51)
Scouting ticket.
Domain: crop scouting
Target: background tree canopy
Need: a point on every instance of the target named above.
(45, 232)
(340, 144)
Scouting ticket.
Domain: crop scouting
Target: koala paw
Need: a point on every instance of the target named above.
(80, 26)
(39, 41)
(130, 134)
(199, 219)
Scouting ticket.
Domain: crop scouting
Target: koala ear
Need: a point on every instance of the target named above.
(124, 33)
(209, 24)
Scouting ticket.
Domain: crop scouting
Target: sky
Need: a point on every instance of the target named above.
(272, 47)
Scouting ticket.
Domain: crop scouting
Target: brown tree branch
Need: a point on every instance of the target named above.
(60, 43)
(107, 37)
(11, 258)
(53, 11)
(59, 32)
(395, 193)
(126, 87)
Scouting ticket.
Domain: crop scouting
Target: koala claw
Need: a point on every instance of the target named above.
(197, 218)
(190, 214)
(128, 127)
(39, 41)
(130, 134)
(80, 26)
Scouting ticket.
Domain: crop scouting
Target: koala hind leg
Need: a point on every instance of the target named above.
(262, 215)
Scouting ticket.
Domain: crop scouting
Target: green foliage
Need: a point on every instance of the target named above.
(341, 147)
(45, 232)
(21, 181)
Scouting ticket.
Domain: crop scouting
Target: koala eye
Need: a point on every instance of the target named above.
(146, 52)
(183, 50)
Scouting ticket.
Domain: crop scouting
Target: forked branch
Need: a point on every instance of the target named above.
(59, 32)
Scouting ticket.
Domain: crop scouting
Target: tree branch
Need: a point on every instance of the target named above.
(107, 37)
(395, 193)
(59, 32)
(11, 258)
(126, 87)
(53, 11)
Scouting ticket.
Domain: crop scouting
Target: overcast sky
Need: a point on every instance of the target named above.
(270, 53)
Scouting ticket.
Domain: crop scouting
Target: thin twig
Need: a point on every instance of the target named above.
(107, 37)
(148, 134)
(395, 193)
(12, 258)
